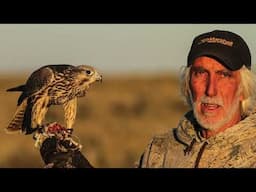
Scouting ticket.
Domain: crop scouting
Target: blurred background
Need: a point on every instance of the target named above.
(139, 96)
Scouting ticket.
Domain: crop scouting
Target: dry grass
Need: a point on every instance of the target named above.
(115, 121)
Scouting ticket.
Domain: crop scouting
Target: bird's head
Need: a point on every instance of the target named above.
(88, 74)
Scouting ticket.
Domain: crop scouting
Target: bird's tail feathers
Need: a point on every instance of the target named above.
(17, 120)
(18, 88)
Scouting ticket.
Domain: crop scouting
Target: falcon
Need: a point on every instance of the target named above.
(51, 85)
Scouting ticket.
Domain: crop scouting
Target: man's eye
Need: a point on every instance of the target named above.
(199, 72)
(225, 73)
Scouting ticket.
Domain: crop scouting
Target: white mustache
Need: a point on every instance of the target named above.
(211, 100)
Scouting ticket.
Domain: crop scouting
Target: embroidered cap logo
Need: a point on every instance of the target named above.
(216, 40)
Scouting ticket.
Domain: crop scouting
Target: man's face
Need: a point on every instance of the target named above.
(216, 94)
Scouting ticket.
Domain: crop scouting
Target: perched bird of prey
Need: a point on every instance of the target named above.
(51, 85)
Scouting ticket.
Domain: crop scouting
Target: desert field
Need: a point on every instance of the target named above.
(115, 121)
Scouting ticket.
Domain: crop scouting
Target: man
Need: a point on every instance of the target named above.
(220, 129)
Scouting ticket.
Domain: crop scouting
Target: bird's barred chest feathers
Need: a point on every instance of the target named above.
(64, 88)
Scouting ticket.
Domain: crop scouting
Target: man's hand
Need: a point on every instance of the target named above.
(55, 159)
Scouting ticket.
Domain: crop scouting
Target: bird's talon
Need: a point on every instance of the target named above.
(70, 130)
(40, 129)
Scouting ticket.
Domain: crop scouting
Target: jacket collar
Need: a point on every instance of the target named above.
(188, 129)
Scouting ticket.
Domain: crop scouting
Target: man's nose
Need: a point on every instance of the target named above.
(211, 89)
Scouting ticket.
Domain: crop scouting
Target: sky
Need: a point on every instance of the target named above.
(110, 48)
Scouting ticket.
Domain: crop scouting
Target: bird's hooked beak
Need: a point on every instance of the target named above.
(98, 77)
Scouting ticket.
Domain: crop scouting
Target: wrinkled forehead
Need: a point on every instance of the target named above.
(210, 65)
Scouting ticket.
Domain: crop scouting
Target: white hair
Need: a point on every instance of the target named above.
(248, 85)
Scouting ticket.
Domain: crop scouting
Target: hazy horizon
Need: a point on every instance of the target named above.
(111, 48)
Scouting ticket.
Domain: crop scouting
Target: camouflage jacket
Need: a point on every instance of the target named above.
(184, 147)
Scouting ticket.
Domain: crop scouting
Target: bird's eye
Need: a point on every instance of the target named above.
(88, 72)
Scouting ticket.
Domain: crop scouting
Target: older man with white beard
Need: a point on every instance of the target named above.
(220, 129)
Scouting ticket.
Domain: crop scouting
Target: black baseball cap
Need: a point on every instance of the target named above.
(224, 46)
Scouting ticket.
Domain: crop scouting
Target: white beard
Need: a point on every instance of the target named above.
(214, 126)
